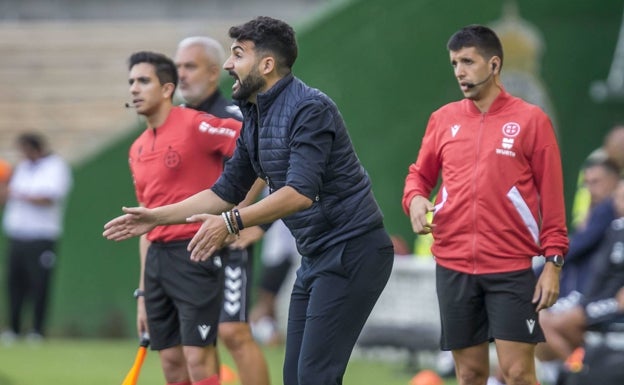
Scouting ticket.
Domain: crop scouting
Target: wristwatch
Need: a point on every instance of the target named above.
(557, 260)
(138, 293)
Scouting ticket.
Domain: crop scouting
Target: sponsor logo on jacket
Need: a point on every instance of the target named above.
(206, 127)
(510, 131)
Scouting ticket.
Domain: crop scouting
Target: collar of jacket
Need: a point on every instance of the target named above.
(206, 105)
(265, 99)
(498, 103)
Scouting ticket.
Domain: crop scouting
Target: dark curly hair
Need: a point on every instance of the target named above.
(166, 71)
(480, 37)
(33, 140)
(269, 35)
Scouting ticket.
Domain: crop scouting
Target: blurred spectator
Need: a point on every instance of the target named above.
(582, 198)
(592, 210)
(592, 213)
(33, 223)
(600, 178)
(612, 149)
(566, 323)
(602, 355)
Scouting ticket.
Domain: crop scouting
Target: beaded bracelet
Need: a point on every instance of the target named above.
(233, 223)
(228, 224)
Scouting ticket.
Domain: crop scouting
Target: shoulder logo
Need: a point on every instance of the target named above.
(454, 129)
(511, 129)
(530, 325)
(206, 127)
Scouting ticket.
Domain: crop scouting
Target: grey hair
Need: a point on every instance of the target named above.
(212, 47)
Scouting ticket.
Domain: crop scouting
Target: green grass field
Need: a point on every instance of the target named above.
(106, 362)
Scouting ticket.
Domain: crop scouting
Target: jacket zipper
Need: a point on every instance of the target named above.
(154, 139)
(474, 195)
(257, 152)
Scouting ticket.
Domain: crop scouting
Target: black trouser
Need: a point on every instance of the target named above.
(28, 276)
(332, 297)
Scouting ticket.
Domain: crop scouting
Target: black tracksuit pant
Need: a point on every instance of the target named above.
(30, 264)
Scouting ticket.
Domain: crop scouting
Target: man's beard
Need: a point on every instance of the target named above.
(252, 84)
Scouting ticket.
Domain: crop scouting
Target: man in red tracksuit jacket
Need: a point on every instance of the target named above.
(499, 204)
(180, 152)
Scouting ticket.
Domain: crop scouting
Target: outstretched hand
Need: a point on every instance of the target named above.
(137, 221)
(210, 237)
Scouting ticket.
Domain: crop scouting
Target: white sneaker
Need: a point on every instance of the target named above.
(494, 381)
(548, 371)
(8, 338)
(445, 364)
(264, 330)
(34, 338)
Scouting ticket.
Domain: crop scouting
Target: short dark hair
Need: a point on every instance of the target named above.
(269, 35)
(607, 164)
(33, 140)
(166, 71)
(480, 37)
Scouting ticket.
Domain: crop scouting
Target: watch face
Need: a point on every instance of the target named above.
(556, 259)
